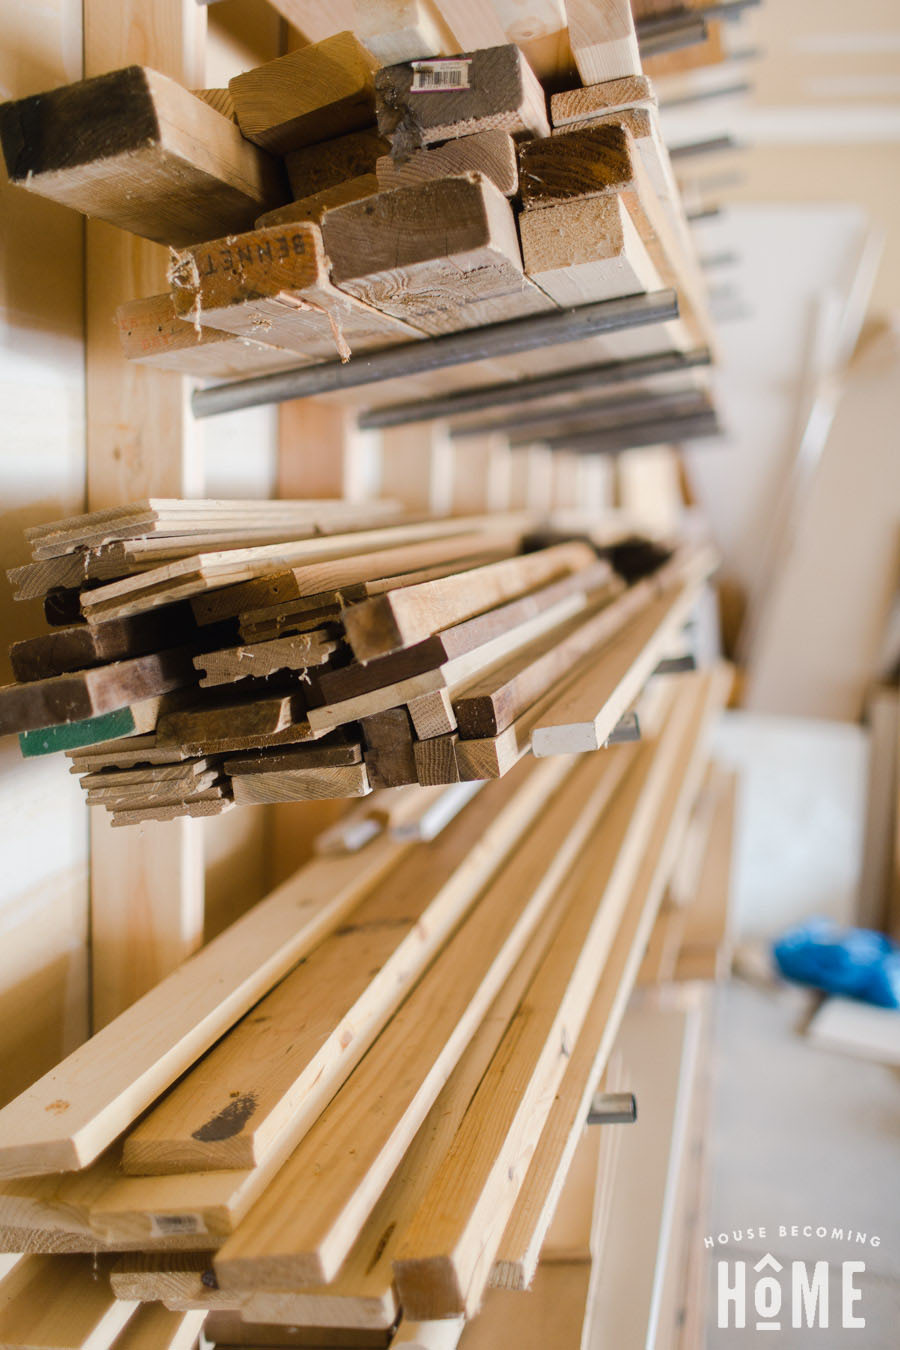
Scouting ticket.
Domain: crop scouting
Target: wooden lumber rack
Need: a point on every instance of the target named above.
(448, 661)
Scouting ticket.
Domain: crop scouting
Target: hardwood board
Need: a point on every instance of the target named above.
(303, 1233)
(432, 714)
(300, 785)
(390, 759)
(385, 623)
(492, 153)
(443, 255)
(436, 760)
(499, 92)
(312, 94)
(80, 646)
(446, 1256)
(78, 695)
(274, 285)
(287, 1058)
(136, 720)
(76, 1110)
(134, 148)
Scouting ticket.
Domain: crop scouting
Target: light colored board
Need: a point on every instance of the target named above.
(307, 1238)
(401, 30)
(706, 917)
(441, 1335)
(71, 1114)
(60, 1303)
(362, 1294)
(570, 1232)
(385, 623)
(859, 1029)
(175, 1279)
(474, 25)
(442, 255)
(314, 206)
(300, 785)
(588, 709)
(432, 714)
(415, 465)
(152, 334)
(134, 148)
(529, 1223)
(154, 1327)
(309, 95)
(447, 1253)
(480, 473)
(552, 1313)
(595, 100)
(274, 284)
(492, 153)
(603, 40)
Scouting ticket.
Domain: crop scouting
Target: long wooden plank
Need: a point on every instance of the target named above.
(154, 1327)
(262, 659)
(492, 153)
(79, 646)
(152, 334)
(588, 708)
(316, 168)
(442, 255)
(603, 40)
(78, 695)
(136, 149)
(486, 89)
(76, 1110)
(385, 623)
(180, 1280)
(274, 284)
(445, 1259)
(61, 1303)
(523, 1239)
(333, 1180)
(309, 95)
(330, 1010)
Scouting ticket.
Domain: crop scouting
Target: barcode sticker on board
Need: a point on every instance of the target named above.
(435, 76)
(165, 1225)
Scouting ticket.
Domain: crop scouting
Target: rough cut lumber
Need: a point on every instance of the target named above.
(459, 639)
(492, 153)
(262, 659)
(80, 646)
(151, 333)
(315, 168)
(333, 1180)
(313, 207)
(523, 1239)
(69, 1116)
(595, 100)
(330, 1009)
(603, 40)
(300, 785)
(441, 255)
(399, 618)
(586, 711)
(309, 95)
(494, 88)
(446, 1255)
(61, 1303)
(576, 165)
(78, 695)
(274, 284)
(390, 759)
(135, 149)
(231, 1329)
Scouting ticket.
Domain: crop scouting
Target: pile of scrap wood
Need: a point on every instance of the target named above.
(359, 651)
(358, 1105)
(377, 189)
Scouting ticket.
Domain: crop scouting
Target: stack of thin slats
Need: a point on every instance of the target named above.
(369, 654)
(361, 1101)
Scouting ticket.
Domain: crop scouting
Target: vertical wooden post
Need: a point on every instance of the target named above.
(531, 477)
(322, 453)
(416, 464)
(481, 471)
(147, 885)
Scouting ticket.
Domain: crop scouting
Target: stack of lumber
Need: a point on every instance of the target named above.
(430, 199)
(368, 652)
(359, 1104)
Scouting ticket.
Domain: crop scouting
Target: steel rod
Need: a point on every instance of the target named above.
(534, 424)
(601, 441)
(453, 349)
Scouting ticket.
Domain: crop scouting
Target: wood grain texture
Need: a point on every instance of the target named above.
(501, 92)
(275, 283)
(315, 168)
(91, 693)
(80, 646)
(61, 1303)
(137, 150)
(74, 1112)
(259, 660)
(401, 30)
(442, 255)
(603, 39)
(311, 94)
(300, 785)
(314, 206)
(492, 153)
(593, 100)
(152, 334)
(574, 165)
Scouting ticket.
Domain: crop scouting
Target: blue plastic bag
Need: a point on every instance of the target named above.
(853, 962)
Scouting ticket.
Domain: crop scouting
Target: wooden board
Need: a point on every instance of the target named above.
(262, 659)
(60, 1303)
(92, 693)
(595, 100)
(390, 759)
(274, 284)
(492, 153)
(309, 95)
(442, 255)
(315, 168)
(154, 1327)
(313, 207)
(399, 618)
(328, 1012)
(401, 30)
(136, 149)
(180, 1280)
(493, 88)
(152, 334)
(76, 1110)
(301, 785)
(80, 646)
(603, 40)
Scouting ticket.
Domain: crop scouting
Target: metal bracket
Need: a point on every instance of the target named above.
(613, 1108)
(628, 728)
(676, 665)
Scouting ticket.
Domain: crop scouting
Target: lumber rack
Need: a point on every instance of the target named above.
(431, 354)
